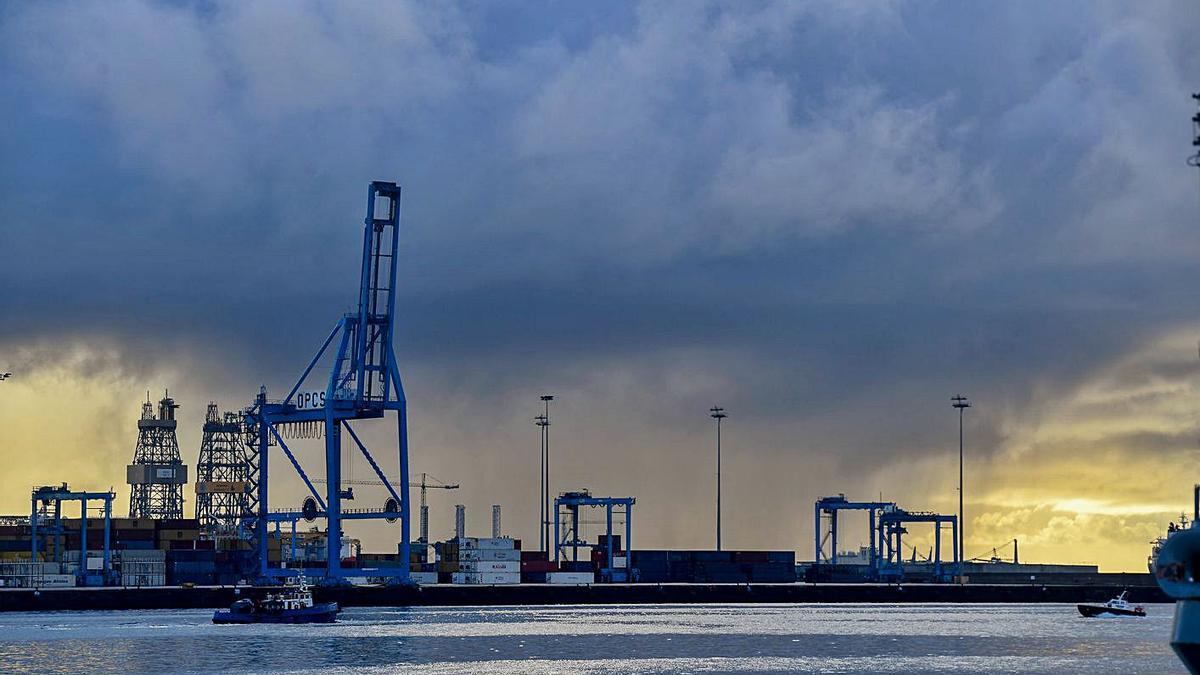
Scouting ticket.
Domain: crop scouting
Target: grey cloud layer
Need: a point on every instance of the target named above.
(812, 208)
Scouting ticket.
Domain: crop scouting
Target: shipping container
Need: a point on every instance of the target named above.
(424, 578)
(489, 554)
(132, 554)
(178, 524)
(143, 579)
(178, 535)
(135, 545)
(576, 578)
(55, 580)
(489, 566)
(486, 578)
(542, 566)
(504, 543)
(602, 541)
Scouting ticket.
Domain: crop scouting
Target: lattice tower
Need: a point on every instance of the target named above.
(222, 474)
(157, 474)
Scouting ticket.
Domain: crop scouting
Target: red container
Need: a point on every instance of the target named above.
(534, 555)
(538, 566)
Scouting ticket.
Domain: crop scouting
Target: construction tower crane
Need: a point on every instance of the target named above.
(425, 485)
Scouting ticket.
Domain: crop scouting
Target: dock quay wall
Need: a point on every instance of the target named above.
(214, 597)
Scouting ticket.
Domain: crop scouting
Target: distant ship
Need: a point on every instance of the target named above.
(1157, 544)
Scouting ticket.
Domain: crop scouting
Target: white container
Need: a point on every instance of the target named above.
(486, 578)
(95, 563)
(489, 554)
(498, 543)
(500, 577)
(147, 567)
(575, 578)
(52, 568)
(143, 580)
(490, 566)
(423, 578)
(619, 561)
(56, 580)
(151, 554)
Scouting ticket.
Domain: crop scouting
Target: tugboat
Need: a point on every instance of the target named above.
(293, 605)
(1115, 607)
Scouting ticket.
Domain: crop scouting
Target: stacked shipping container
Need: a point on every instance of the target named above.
(717, 567)
(479, 560)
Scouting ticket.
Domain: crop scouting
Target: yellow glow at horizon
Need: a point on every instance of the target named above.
(1067, 483)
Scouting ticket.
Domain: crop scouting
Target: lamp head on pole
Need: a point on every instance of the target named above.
(717, 413)
(960, 401)
(547, 397)
(541, 421)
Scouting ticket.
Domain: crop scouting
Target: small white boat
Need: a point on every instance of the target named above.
(1115, 607)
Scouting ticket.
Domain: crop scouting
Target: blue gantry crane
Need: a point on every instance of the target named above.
(567, 534)
(49, 516)
(830, 507)
(885, 530)
(890, 565)
(363, 384)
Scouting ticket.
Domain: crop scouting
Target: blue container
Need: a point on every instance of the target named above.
(137, 545)
(197, 579)
(193, 568)
(533, 577)
(650, 576)
(188, 555)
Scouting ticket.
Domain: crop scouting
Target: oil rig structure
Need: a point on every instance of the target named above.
(157, 474)
(222, 474)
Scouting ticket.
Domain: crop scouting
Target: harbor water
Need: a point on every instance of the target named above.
(953, 638)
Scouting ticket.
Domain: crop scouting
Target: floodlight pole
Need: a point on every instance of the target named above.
(718, 414)
(543, 421)
(961, 403)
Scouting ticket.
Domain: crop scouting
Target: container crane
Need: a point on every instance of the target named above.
(363, 383)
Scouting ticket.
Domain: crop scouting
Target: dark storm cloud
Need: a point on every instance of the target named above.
(829, 210)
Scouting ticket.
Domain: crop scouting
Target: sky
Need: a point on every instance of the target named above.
(826, 217)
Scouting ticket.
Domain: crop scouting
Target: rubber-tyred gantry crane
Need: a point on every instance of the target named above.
(363, 384)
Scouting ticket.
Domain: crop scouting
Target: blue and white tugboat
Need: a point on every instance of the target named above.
(1115, 607)
(293, 605)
